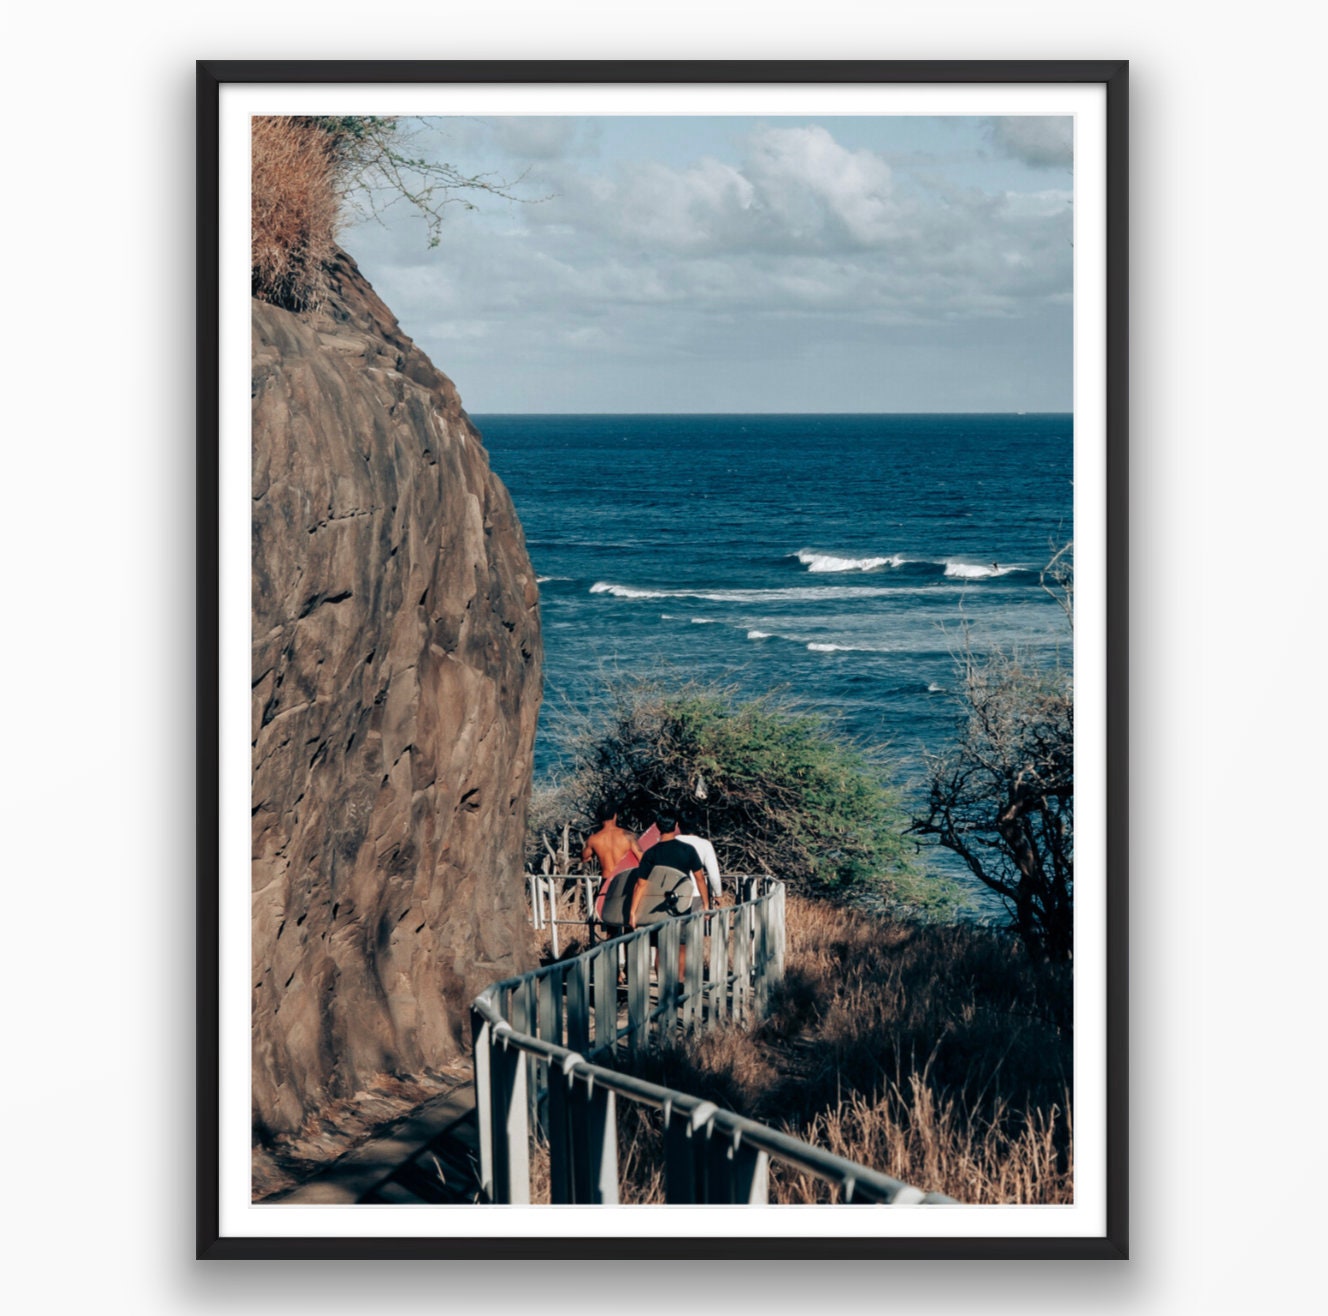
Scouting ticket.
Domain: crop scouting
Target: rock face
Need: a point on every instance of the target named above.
(396, 683)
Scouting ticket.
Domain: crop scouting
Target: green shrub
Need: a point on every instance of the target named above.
(774, 786)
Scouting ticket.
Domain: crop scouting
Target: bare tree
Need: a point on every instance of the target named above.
(1002, 797)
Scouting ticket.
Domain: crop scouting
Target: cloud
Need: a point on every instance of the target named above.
(698, 209)
(532, 137)
(1040, 141)
(812, 187)
(794, 247)
(796, 189)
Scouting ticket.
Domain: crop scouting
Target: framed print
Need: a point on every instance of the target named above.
(662, 540)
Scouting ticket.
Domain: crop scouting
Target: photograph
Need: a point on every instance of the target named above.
(657, 523)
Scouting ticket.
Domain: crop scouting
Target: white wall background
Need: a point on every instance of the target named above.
(1227, 549)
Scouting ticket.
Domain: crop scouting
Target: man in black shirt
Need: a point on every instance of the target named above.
(669, 852)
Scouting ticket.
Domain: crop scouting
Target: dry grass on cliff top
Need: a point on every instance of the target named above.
(936, 1054)
(295, 207)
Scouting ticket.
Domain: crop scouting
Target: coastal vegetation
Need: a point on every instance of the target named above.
(1002, 796)
(775, 788)
(940, 1054)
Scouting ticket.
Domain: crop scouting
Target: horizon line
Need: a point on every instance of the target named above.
(1028, 412)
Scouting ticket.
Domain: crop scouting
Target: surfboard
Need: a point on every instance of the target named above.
(644, 842)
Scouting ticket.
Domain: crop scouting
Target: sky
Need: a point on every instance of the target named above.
(727, 264)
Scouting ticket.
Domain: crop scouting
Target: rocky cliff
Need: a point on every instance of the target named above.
(396, 682)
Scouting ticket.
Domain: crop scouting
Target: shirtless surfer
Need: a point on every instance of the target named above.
(609, 844)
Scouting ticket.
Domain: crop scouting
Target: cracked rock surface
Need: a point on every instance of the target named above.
(396, 683)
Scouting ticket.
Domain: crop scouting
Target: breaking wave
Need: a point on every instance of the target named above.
(628, 592)
(816, 561)
(818, 647)
(790, 594)
(976, 571)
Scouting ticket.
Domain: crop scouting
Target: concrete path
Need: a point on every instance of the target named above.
(432, 1155)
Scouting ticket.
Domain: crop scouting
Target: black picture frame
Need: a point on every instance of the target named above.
(1113, 76)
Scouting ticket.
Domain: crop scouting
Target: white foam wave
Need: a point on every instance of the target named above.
(975, 570)
(703, 621)
(540, 580)
(935, 688)
(758, 635)
(842, 648)
(628, 592)
(816, 561)
(792, 594)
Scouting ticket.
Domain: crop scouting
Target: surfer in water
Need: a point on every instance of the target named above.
(609, 844)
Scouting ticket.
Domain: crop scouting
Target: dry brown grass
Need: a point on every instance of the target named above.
(295, 206)
(936, 1054)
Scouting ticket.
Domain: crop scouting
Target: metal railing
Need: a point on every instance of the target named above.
(537, 1039)
(548, 892)
(542, 890)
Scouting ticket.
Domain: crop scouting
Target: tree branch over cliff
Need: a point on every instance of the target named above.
(311, 172)
(379, 164)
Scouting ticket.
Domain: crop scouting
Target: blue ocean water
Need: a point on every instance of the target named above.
(831, 556)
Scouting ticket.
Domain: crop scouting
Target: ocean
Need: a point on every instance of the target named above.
(833, 557)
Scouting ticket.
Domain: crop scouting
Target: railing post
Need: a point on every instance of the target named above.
(693, 935)
(725, 970)
(719, 966)
(735, 1173)
(578, 1005)
(553, 917)
(521, 1015)
(762, 984)
(605, 987)
(561, 1150)
(511, 1130)
(638, 994)
(549, 991)
(742, 958)
(482, 1037)
(681, 1177)
(594, 1121)
(666, 974)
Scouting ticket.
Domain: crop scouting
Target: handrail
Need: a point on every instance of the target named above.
(543, 896)
(526, 1077)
